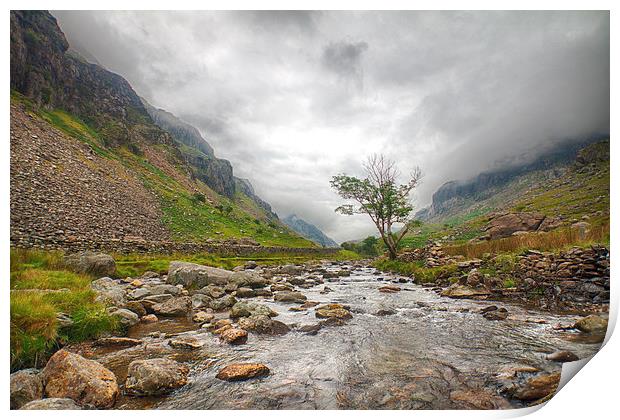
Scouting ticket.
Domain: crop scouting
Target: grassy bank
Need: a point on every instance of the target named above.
(41, 288)
(416, 270)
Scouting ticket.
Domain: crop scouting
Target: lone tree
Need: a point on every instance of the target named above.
(380, 197)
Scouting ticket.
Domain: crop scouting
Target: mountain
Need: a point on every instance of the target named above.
(90, 159)
(492, 189)
(309, 231)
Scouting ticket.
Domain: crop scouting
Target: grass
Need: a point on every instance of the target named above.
(542, 241)
(416, 270)
(134, 265)
(41, 288)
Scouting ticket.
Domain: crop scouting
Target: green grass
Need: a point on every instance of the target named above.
(416, 270)
(34, 329)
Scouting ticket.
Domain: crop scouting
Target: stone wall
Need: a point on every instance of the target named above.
(126, 246)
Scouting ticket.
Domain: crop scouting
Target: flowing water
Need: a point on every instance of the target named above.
(423, 352)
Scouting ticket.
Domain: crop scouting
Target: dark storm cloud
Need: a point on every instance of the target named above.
(291, 98)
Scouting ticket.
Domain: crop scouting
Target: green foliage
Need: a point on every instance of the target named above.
(416, 270)
(42, 288)
(369, 247)
(199, 198)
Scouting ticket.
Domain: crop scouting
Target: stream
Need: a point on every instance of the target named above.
(407, 350)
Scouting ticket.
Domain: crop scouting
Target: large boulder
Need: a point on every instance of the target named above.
(505, 225)
(97, 264)
(196, 275)
(591, 324)
(289, 296)
(242, 371)
(26, 386)
(155, 376)
(126, 317)
(262, 324)
(87, 382)
(248, 279)
(245, 309)
(52, 404)
(234, 336)
(109, 291)
(538, 387)
(176, 306)
(222, 303)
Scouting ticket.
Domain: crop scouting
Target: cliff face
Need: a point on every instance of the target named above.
(309, 231)
(199, 155)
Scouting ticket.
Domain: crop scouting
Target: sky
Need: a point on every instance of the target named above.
(293, 98)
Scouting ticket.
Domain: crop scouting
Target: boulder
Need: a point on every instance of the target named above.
(201, 301)
(262, 324)
(244, 309)
(176, 306)
(109, 291)
(135, 307)
(234, 336)
(87, 382)
(290, 269)
(460, 291)
(96, 264)
(242, 371)
(185, 343)
(505, 225)
(474, 278)
(332, 310)
(562, 356)
(286, 296)
(389, 289)
(212, 291)
(245, 292)
(202, 317)
(150, 318)
(222, 303)
(52, 404)
(26, 386)
(248, 279)
(155, 376)
(537, 387)
(592, 323)
(195, 275)
(496, 315)
(126, 317)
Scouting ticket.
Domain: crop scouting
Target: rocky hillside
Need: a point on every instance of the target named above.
(309, 231)
(88, 159)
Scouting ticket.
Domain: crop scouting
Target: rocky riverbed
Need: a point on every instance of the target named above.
(317, 336)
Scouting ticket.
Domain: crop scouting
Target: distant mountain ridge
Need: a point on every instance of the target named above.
(309, 231)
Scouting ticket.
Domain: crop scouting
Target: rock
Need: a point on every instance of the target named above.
(150, 318)
(243, 309)
(474, 278)
(290, 269)
(136, 307)
(96, 264)
(195, 275)
(592, 323)
(165, 289)
(26, 386)
(262, 324)
(385, 312)
(249, 265)
(200, 301)
(505, 225)
(149, 275)
(389, 289)
(185, 343)
(479, 399)
(538, 387)
(176, 306)
(242, 371)
(109, 291)
(117, 342)
(562, 356)
(222, 329)
(52, 404)
(140, 293)
(310, 329)
(137, 283)
(332, 310)
(155, 376)
(221, 323)
(68, 375)
(245, 292)
(126, 317)
(202, 317)
(488, 309)
(212, 291)
(511, 371)
(496, 315)
(234, 336)
(223, 303)
(286, 296)
(459, 291)
(281, 287)
(248, 279)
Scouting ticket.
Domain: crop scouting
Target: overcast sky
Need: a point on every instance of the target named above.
(292, 98)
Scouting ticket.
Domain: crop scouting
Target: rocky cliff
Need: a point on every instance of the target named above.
(309, 231)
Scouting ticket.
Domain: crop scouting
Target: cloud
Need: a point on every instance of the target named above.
(292, 98)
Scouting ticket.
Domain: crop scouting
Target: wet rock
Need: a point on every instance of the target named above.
(310, 329)
(117, 342)
(126, 317)
(244, 309)
(96, 264)
(135, 307)
(281, 287)
(242, 372)
(497, 315)
(185, 343)
(332, 310)
(221, 323)
(150, 318)
(389, 289)
(155, 376)
(538, 387)
(562, 356)
(223, 328)
(176, 306)
(459, 291)
(488, 309)
(478, 399)
(195, 275)
(26, 386)
(248, 279)
(52, 404)
(200, 300)
(223, 303)
(290, 269)
(385, 312)
(286, 296)
(508, 372)
(245, 292)
(68, 375)
(202, 317)
(262, 324)
(592, 323)
(234, 336)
